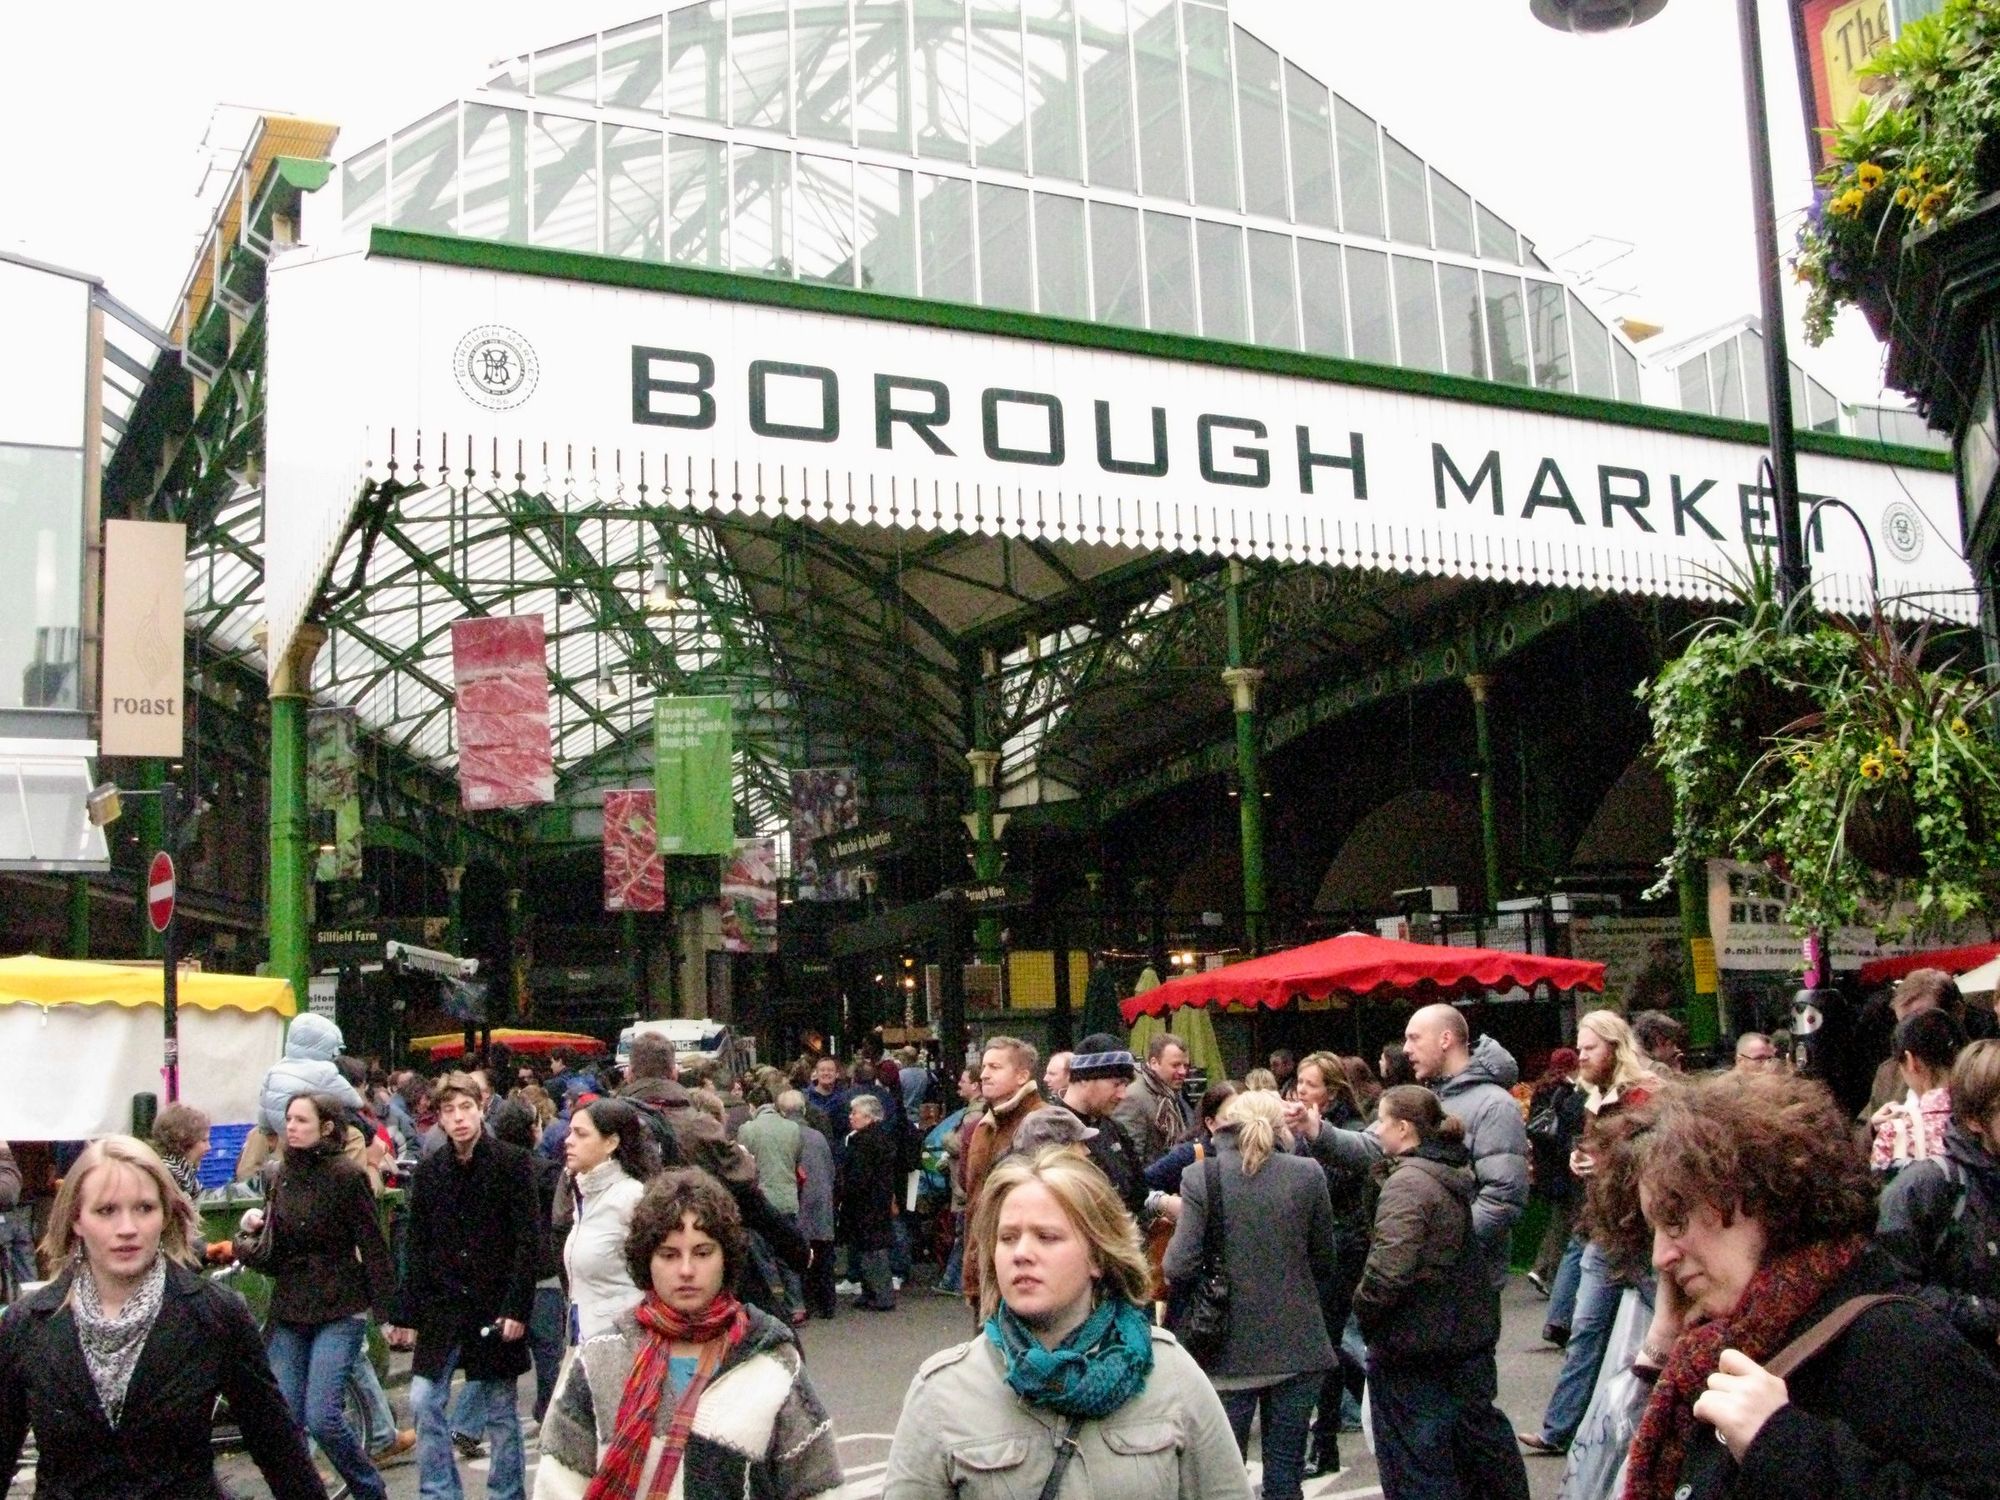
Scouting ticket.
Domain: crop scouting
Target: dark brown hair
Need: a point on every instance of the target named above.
(673, 1197)
(1416, 1105)
(1774, 1147)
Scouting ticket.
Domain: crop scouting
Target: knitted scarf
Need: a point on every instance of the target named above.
(112, 1345)
(184, 1174)
(1097, 1369)
(1784, 1290)
(721, 1327)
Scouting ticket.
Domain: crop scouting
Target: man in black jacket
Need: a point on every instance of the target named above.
(468, 1290)
(1100, 1070)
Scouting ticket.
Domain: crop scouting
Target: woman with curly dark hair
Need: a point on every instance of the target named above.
(1779, 1332)
(623, 1424)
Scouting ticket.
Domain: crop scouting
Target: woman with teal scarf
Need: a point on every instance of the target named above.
(1068, 1389)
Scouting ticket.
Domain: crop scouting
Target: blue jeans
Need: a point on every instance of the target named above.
(1438, 1435)
(1589, 1331)
(437, 1464)
(547, 1335)
(310, 1362)
(1562, 1294)
(381, 1416)
(468, 1413)
(1287, 1408)
(953, 1277)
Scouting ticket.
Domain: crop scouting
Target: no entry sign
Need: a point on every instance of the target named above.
(160, 891)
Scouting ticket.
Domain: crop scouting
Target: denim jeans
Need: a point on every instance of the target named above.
(795, 1289)
(952, 1278)
(381, 1415)
(546, 1338)
(437, 1464)
(310, 1362)
(1589, 1330)
(1287, 1407)
(1438, 1435)
(468, 1412)
(1562, 1296)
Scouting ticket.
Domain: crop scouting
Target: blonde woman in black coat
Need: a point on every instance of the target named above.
(116, 1364)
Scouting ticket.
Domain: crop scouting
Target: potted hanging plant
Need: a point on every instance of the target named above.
(1881, 795)
(1917, 154)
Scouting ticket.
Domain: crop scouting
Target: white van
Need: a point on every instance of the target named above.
(730, 1053)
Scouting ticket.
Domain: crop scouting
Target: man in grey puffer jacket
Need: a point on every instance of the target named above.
(1472, 1082)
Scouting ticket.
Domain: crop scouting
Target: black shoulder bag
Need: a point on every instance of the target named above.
(1204, 1326)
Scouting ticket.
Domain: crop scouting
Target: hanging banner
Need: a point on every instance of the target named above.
(750, 898)
(502, 673)
(333, 792)
(635, 877)
(825, 800)
(694, 775)
(145, 639)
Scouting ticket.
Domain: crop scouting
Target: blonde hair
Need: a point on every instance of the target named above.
(1091, 1207)
(177, 1213)
(1628, 1064)
(1258, 1118)
(1261, 1080)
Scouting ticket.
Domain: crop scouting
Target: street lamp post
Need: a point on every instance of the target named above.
(1617, 15)
(103, 807)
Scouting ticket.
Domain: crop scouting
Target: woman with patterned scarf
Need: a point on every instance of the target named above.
(1068, 1387)
(691, 1395)
(115, 1365)
(1786, 1360)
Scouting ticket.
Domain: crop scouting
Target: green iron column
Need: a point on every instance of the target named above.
(1701, 987)
(985, 843)
(292, 852)
(1243, 681)
(1480, 685)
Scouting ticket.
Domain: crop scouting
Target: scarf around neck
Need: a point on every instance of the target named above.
(112, 1345)
(1784, 1290)
(723, 1325)
(1101, 1365)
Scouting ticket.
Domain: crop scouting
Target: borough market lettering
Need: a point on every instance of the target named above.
(676, 388)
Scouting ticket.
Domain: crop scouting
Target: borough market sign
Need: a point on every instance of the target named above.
(450, 362)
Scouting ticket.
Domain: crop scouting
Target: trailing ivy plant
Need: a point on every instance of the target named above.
(1851, 758)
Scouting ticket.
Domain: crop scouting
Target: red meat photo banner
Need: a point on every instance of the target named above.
(502, 673)
(635, 877)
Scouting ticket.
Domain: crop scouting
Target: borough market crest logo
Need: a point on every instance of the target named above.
(1903, 530)
(496, 366)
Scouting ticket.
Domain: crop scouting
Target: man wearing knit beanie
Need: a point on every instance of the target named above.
(1099, 1073)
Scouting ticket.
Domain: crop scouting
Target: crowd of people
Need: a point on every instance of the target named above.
(1755, 1290)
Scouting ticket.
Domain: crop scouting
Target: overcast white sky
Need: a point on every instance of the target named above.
(1638, 137)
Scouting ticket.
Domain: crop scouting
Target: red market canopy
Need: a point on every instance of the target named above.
(1951, 960)
(1356, 965)
(453, 1044)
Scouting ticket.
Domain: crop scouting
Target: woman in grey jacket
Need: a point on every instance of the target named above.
(1278, 1248)
(1067, 1371)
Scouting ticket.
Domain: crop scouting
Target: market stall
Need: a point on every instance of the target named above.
(78, 1040)
(1356, 966)
(514, 1039)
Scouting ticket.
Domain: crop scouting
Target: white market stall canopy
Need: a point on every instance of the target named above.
(433, 362)
(78, 1040)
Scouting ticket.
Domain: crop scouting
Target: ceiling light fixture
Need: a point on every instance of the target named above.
(660, 592)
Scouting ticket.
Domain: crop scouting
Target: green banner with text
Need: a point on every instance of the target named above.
(694, 776)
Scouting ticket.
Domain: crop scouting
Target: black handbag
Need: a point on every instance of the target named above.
(1204, 1330)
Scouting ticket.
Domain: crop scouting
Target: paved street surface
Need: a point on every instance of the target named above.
(862, 1362)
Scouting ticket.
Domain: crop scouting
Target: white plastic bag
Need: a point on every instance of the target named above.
(1595, 1469)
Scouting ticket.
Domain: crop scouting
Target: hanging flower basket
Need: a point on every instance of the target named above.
(1881, 833)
